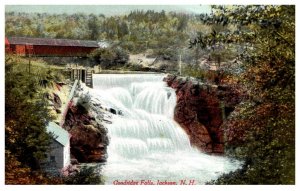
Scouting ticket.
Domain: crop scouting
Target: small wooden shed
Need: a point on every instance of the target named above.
(59, 155)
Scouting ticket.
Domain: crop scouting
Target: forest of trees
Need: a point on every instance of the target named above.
(135, 32)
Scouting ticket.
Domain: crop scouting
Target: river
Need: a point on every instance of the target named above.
(146, 145)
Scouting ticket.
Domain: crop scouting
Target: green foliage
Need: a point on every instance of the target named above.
(122, 56)
(86, 175)
(110, 57)
(93, 27)
(26, 113)
(262, 130)
(193, 71)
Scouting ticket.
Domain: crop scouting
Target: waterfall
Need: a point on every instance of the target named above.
(146, 144)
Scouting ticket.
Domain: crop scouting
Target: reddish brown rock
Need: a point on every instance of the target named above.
(88, 138)
(201, 109)
(218, 148)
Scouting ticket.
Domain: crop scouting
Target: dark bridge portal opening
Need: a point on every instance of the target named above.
(83, 76)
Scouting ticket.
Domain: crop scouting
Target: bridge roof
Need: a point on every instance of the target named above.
(52, 42)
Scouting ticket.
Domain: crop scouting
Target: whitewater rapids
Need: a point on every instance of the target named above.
(146, 144)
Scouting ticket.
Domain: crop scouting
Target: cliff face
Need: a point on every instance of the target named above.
(88, 138)
(201, 109)
(88, 135)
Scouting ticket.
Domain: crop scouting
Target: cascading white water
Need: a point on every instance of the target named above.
(146, 144)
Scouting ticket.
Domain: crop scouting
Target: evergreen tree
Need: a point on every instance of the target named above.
(93, 26)
(26, 116)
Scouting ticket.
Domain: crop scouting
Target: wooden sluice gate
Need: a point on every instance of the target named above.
(83, 74)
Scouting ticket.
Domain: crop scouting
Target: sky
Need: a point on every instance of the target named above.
(105, 9)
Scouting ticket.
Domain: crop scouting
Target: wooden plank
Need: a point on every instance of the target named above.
(68, 104)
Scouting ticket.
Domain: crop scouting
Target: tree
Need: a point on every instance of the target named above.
(183, 21)
(26, 116)
(110, 57)
(103, 56)
(261, 131)
(93, 27)
(122, 30)
(122, 56)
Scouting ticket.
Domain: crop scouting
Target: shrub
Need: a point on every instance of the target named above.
(86, 175)
(110, 57)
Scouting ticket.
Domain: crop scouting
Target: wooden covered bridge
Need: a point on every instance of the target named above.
(47, 47)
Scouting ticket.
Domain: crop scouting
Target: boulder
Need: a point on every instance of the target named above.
(88, 138)
(56, 101)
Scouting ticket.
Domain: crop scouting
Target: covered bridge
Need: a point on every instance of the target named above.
(24, 46)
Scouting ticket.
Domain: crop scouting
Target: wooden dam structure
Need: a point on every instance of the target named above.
(83, 74)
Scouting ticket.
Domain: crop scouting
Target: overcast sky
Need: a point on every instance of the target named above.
(105, 9)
